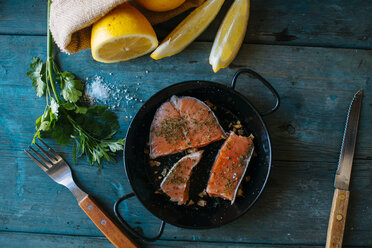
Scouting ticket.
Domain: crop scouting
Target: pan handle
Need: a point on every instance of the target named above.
(130, 229)
(266, 83)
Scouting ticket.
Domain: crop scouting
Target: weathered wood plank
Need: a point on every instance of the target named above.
(21, 240)
(313, 23)
(315, 84)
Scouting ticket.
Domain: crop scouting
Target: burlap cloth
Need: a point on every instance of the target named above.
(71, 20)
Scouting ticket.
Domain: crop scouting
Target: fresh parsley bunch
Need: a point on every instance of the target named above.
(90, 129)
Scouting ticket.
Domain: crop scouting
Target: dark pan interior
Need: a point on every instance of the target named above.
(145, 180)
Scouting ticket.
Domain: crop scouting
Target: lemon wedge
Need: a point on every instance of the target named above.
(188, 30)
(122, 34)
(230, 35)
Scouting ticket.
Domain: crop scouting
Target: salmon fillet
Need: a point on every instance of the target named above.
(176, 183)
(166, 133)
(183, 123)
(202, 125)
(230, 166)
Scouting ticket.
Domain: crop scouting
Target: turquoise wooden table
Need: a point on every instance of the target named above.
(316, 53)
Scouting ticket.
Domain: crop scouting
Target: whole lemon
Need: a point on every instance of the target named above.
(160, 5)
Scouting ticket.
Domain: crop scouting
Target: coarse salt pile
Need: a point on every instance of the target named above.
(98, 91)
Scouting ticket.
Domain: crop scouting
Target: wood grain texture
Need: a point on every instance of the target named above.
(316, 85)
(337, 218)
(326, 23)
(16, 240)
(105, 224)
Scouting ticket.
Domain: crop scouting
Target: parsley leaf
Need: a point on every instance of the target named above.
(37, 75)
(63, 129)
(71, 88)
(45, 123)
(116, 145)
(76, 108)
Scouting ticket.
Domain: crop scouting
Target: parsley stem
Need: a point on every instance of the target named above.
(50, 57)
(49, 38)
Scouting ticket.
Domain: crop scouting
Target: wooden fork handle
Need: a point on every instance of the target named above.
(105, 224)
(337, 218)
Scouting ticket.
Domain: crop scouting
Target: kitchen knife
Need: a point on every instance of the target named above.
(341, 194)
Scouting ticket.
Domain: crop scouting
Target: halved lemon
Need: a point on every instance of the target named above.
(188, 30)
(230, 35)
(122, 34)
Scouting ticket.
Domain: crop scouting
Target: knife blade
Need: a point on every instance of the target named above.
(345, 163)
(337, 219)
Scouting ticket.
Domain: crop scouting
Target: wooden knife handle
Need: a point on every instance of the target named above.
(105, 224)
(337, 218)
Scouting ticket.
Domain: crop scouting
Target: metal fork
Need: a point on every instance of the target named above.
(57, 169)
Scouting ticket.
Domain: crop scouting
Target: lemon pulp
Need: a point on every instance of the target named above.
(122, 34)
(188, 30)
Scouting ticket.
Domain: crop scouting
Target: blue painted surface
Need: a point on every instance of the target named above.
(316, 85)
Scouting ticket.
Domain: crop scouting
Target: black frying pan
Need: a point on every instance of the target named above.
(231, 106)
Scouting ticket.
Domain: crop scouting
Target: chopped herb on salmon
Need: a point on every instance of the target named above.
(183, 123)
(229, 167)
(176, 182)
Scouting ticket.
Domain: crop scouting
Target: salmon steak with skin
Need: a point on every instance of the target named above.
(176, 183)
(183, 123)
(230, 166)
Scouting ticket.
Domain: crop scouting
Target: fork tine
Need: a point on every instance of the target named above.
(50, 149)
(36, 161)
(46, 163)
(53, 160)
